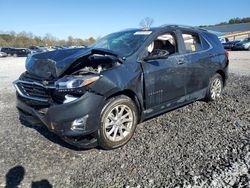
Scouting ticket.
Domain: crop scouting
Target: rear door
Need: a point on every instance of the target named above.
(198, 59)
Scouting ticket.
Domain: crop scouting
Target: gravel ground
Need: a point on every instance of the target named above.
(240, 62)
(199, 145)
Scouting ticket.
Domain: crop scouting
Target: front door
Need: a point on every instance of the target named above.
(164, 77)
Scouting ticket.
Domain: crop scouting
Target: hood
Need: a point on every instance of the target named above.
(53, 64)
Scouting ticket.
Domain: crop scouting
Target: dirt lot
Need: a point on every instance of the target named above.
(202, 144)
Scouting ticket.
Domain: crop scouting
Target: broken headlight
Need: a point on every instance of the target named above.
(74, 82)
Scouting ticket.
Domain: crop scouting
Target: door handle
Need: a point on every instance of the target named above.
(211, 55)
(180, 62)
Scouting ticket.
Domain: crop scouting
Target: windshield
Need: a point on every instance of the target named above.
(124, 43)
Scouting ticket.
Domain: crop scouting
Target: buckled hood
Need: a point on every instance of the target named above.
(55, 63)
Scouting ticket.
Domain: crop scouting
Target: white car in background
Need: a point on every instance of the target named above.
(3, 54)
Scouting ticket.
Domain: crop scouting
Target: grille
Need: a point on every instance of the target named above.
(33, 90)
(30, 86)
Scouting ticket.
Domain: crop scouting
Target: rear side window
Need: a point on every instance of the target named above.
(192, 42)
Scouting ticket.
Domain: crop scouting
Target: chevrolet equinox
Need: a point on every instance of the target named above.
(97, 95)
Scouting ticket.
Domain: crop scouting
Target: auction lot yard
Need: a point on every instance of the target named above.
(202, 144)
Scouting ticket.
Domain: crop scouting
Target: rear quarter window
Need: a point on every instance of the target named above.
(213, 40)
(205, 44)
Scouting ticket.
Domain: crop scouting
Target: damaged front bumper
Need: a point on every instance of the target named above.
(71, 120)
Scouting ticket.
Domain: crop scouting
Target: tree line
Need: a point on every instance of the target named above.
(26, 39)
(231, 21)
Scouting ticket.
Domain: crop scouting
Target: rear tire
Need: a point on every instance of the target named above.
(119, 117)
(215, 88)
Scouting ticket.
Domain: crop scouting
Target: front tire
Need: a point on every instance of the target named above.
(119, 117)
(215, 88)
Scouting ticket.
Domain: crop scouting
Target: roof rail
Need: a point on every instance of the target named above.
(183, 26)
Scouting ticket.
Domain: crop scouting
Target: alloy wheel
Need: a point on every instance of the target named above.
(118, 123)
(216, 88)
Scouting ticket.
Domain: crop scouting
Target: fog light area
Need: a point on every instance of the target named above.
(79, 124)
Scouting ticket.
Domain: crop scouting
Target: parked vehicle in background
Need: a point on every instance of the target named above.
(3, 54)
(96, 95)
(20, 52)
(16, 52)
(7, 50)
(58, 47)
(44, 48)
(223, 39)
(230, 44)
(242, 45)
(49, 48)
(82, 46)
(72, 46)
(36, 49)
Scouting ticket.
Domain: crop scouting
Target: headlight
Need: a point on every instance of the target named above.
(73, 82)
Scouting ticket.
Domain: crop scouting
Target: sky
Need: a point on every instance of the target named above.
(96, 18)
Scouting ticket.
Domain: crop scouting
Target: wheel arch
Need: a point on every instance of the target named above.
(132, 95)
(221, 72)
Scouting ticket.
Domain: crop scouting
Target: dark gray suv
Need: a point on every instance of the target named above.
(96, 96)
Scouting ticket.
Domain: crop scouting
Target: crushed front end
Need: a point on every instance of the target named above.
(63, 101)
(70, 116)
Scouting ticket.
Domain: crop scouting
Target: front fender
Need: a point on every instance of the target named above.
(123, 78)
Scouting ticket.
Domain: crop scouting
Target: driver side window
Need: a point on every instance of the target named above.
(163, 45)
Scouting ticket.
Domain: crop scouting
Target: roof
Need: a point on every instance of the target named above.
(167, 26)
(230, 28)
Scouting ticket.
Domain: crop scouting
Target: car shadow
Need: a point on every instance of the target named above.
(43, 130)
(41, 184)
(15, 176)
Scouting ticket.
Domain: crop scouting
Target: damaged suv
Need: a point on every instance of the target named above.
(96, 96)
